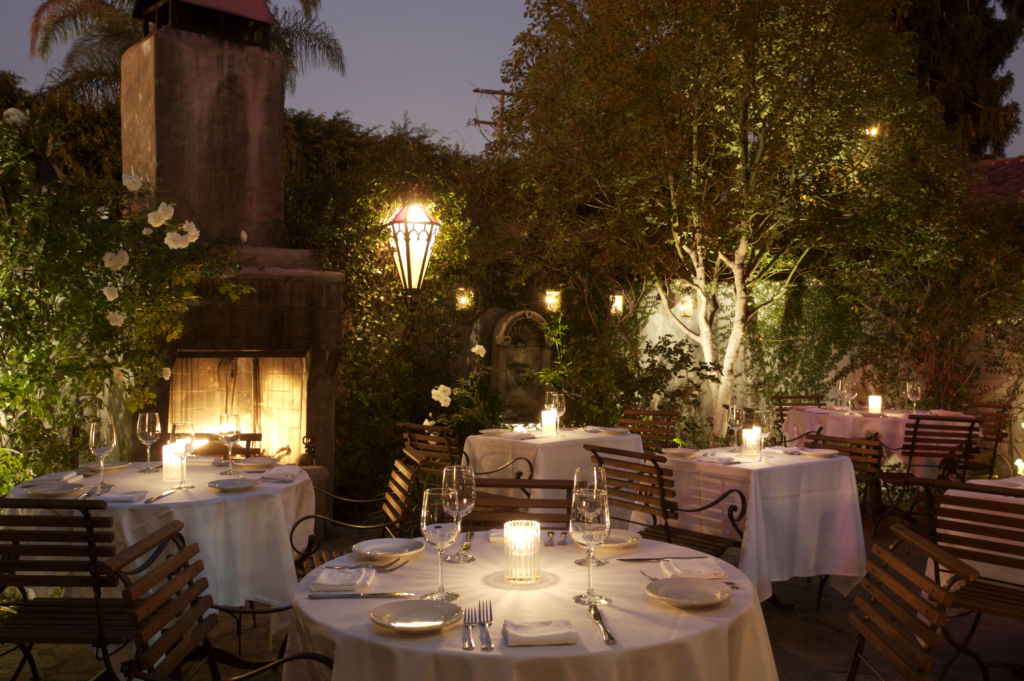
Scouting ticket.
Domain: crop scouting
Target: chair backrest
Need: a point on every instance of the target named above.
(993, 429)
(783, 403)
(434, 447)
(866, 454)
(502, 499)
(900, 612)
(657, 428)
(249, 444)
(400, 490)
(638, 482)
(950, 438)
(982, 523)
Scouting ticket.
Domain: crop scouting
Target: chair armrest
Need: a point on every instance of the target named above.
(158, 538)
(937, 553)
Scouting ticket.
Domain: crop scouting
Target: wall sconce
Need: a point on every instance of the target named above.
(684, 308)
(464, 298)
(413, 232)
(617, 302)
(871, 131)
(553, 300)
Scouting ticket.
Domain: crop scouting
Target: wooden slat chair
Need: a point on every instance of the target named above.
(249, 444)
(502, 499)
(169, 611)
(866, 455)
(392, 517)
(657, 428)
(994, 427)
(899, 611)
(640, 483)
(783, 403)
(433, 446)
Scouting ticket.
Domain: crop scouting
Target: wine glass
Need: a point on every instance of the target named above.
(558, 403)
(913, 392)
(735, 424)
(147, 428)
(590, 477)
(589, 524)
(183, 436)
(459, 487)
(102, 440)
(440, 529)
(229, 434)
(840, 391)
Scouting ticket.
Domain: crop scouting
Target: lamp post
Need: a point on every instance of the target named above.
(413, 232)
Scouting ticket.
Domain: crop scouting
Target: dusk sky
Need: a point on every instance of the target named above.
(402, 56)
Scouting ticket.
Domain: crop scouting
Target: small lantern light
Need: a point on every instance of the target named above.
(617, 302)
(464, 297)
(553, 300)
(684, 308)
(413, 231)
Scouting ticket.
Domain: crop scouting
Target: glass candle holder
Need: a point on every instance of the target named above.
(874, 404)
(752, 443)
(549, 422)
(522, 551)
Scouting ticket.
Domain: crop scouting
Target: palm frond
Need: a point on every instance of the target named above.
(91, 69)
(303, 43)
(56, 22)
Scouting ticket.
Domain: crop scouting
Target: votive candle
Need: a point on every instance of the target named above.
(549, 422)
(752, 442)
(522, 551)
(874, 404)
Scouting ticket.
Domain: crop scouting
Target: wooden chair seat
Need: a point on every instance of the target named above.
(992, 598)
(67, 620)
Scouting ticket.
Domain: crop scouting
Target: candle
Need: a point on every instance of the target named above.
(522, 551)
(171, 454)
(752, 442)
(874, 404)
(549, 422)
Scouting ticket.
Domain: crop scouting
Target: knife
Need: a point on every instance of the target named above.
(379, 594)
(658, 560)
(160, 496)
(595, 615)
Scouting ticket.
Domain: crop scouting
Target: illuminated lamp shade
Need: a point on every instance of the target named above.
(553, 300)
(413, 232)
(617, 303)
(464, 297)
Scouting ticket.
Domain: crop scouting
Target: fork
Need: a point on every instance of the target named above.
(485, 616)
(734, 585)
(469, 619)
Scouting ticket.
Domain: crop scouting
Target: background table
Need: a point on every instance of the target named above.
(803, 516)
(655, 640)
(553, 458)
(243, 536)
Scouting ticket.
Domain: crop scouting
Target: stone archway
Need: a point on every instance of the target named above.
(520, 351)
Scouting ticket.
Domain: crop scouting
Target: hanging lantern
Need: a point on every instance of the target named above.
(553, 300)
(413, 232)
(464, 297)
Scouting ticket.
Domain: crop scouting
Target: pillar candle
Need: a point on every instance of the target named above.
(549, 422)
(875, 404)
(522, 551)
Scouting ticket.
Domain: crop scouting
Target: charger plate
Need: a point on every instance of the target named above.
(387, 547)
(686, 592)
(108, 466)
(233, 484)
(416, 617)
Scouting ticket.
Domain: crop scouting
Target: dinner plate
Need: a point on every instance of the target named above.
(492, 431)
(108, 467)
(233, 484)
(376, 549)
(620, 539)
(416, 617)
(52, 490)
(686, 592)
(819, 453)
(255, 462)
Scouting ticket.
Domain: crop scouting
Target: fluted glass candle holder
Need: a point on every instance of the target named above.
(522, 551)
(752, 443)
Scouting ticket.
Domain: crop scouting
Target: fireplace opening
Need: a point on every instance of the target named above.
(268, 392)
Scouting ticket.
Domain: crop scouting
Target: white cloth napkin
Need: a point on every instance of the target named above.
(342, 580)
(706, 568)
(285, 473)
(551, 633)
(716, 458)
(62, 476)
(122, 497)
(517, 435)
(783, 450)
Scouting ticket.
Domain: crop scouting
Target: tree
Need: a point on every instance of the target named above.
(99, 32)
(962, 48)
(712, 146)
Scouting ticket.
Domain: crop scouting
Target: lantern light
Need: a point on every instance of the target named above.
(553, 300)
(617, 303)
(464, 297)
(413, 232)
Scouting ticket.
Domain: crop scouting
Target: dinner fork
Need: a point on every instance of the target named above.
(469, 618)
(485, 616)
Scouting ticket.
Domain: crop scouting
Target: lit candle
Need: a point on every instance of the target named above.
(171, 454)
(874, 404)
(752, 442)
(549, 422)
(522, 551)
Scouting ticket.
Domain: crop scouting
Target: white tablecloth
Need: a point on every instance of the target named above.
(553, 458)
(655, 640)
(242, 536)
(803, 516)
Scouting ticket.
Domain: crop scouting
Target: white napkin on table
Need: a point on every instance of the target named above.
(283, 473)
(517, 435)
(551, 633)
(342, 580)
(716, 458)
(122, 497)
(62, 476)
(706, 568)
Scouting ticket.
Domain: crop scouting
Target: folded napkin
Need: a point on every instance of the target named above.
(342, 580)
(63, 476)
(716, 458)
(552, 633)
(283, 473)
(706, 568)
(517, 435)
(783, 450)
(496, 536)
(122, 497)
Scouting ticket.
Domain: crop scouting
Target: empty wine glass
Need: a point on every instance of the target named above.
(913, 392)
(147, 428)
(556, 401)
(182, 438)
(590, 477)
(229, 434)
(440, 530)
(459, 487)
(102, 440)
(840, 391)
(735, 424)
(589, 524)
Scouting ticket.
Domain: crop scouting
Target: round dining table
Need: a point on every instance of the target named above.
(654, 639)
(243, 536)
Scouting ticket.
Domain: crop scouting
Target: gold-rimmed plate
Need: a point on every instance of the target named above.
(686, 592)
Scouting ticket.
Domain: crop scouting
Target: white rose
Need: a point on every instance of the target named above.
(166, 373)
(14, 116)
(478, 350)
(244, 236)
(115, 318)
(146, 231)
(442, 394)
(175, 240)
(110, 293)
(103, 212)
(115, 261)
(132, 183)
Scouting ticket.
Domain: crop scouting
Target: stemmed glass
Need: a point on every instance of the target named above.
(147, 428)
(229, 434)
(556, 401)
(913, 392)
(440, 529)
(102, 440)
(459, 488)
(590, 477)
(183, 434)
(735, 424)
(589, 524)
